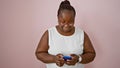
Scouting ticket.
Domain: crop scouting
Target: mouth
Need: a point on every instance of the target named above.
(66, 29)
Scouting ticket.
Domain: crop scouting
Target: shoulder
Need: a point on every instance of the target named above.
(51, 28)
(46, 33)
(82, 33)
(79, 31)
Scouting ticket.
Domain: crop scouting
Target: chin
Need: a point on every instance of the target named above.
(68, 30)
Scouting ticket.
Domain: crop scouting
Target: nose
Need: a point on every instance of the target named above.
(66, 25)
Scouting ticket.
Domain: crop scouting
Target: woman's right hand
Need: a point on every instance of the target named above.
(59, 60)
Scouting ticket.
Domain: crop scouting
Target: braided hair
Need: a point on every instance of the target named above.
(65, 5)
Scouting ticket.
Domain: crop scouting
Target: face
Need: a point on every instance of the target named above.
(66, 20)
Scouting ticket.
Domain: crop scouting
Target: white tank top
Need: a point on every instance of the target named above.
(65, 45)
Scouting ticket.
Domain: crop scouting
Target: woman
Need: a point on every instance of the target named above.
(65, 40)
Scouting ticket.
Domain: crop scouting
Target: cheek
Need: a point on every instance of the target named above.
(61, 24)
(71, 24)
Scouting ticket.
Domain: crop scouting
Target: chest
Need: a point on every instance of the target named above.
(66, 46)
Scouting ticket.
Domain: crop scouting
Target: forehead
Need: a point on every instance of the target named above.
(67, 13)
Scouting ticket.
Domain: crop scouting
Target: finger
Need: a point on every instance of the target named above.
(74, 56)
(59, 64)
(69, 60)
(70, 63)
(59, 55)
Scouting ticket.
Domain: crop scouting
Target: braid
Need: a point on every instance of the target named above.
(65, 5)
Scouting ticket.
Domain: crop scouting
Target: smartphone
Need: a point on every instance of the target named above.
(67, 58)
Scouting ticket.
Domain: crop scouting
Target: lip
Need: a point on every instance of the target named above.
(66, 28)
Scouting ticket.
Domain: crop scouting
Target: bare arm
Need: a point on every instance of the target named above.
(88, 52)
(43, 55)
(42, 50)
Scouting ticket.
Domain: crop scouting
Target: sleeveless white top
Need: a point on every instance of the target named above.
(65, 45)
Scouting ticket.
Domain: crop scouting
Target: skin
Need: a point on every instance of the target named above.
(66, 23)
(65, 27)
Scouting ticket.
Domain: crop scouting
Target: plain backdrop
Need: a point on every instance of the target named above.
(22, 23)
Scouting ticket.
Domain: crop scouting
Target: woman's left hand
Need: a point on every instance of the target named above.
(74, 60)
